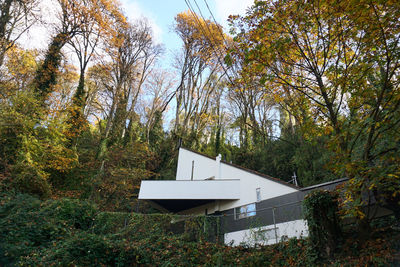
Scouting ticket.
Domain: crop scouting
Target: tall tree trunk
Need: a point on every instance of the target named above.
(47, 73)
(80, 94)
(119, 121)
(4, 19)
(76, 119)
(102, 150)
(5, 16)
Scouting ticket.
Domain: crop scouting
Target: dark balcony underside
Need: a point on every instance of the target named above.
(177, 205)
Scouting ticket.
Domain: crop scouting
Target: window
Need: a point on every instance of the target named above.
(258, 194)
(245, 211)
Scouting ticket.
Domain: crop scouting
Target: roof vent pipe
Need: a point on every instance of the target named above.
(218, 159)
(191, 177)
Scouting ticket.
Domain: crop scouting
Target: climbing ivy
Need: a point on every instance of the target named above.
(320, 211)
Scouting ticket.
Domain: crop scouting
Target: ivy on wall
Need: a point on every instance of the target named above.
(321, 213)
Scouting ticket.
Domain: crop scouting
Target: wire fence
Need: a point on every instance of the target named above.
(261, 226)
(258, 224)
(267, 225)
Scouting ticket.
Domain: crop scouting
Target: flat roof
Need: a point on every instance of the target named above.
(218, 189)
(179, 195)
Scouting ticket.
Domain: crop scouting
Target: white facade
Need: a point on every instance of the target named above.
(219, 186)
(267, 235)
(205, 168)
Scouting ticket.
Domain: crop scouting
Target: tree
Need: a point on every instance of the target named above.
(17, 16)
(199, 69)
(74, 18)
(157, 91)
(31, 149)
(131, 53)
(344, 71)
(18, 71)
(84, 44)
(124, 169)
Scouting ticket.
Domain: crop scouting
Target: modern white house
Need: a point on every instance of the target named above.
(257, 208)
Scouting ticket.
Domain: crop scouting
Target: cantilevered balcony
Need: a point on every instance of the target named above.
(185, 194)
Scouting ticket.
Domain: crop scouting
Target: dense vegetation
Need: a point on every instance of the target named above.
(299, 87)
(69, 232)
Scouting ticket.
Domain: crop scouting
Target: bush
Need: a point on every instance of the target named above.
(84, 249)
(110, 222)
(29, 180)
(320, 211)
(76, 213)
(27, 224)
(70, 232)
(22, 229)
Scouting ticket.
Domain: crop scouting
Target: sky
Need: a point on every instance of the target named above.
(160, 13)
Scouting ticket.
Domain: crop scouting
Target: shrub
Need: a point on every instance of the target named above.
(30, 180)
(84, 249)
(320, 211)
(110, 222)
(76, 213)
(69, 232)
(27, 224)
(22, 229)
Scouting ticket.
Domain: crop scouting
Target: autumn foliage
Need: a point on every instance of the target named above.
(305, 88)
(333, 65)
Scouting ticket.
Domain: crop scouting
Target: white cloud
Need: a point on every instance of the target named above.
(224, 8)
(133, 11)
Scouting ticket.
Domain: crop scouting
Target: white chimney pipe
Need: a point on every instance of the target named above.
(218, 160)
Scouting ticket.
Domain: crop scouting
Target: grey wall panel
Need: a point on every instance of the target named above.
(286, 208)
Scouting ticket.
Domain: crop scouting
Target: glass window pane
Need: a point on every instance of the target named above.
(245, 211)
(251, 210)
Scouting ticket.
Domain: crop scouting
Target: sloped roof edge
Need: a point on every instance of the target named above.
(247, 170)
(324, 184)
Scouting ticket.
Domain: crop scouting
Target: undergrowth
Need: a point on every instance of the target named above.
(70, 232)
